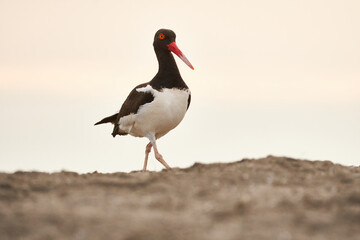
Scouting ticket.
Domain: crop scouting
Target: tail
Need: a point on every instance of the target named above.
(111, 119)
(118, 131)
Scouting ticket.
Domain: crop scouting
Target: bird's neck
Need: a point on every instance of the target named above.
(167, 64)
(168, 75)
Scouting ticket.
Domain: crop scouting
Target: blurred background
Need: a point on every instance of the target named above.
(271, 77)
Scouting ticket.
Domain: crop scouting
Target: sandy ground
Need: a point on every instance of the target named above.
(271, 198)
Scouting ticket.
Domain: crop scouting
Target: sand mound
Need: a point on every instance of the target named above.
(270, 198)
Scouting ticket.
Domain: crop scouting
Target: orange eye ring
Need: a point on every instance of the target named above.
(161, 36)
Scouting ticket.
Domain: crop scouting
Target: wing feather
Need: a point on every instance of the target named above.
(132, 105)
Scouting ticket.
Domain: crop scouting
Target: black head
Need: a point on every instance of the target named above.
(162, 38)
(164, 41)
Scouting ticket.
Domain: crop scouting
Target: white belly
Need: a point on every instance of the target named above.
(161, 115)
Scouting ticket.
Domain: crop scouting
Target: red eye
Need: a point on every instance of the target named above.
(161, 36)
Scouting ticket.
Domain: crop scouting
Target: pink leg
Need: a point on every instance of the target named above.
(147, 151)
(159, 157)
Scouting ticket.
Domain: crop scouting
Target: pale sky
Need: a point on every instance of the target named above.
(271, 77)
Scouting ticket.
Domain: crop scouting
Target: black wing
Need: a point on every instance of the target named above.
(132, 105)
(189, 100)
(110, 119)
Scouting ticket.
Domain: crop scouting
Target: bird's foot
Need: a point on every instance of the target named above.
(160, 158)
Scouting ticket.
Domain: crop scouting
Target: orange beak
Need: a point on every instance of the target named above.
(174, 48)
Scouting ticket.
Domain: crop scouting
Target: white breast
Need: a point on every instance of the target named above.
(160, 116)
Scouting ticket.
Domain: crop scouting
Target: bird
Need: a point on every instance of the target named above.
(154, 108)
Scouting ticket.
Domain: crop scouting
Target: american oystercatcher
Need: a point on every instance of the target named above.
(154, 108)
